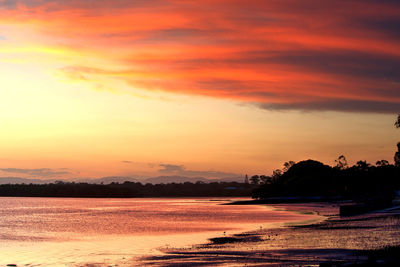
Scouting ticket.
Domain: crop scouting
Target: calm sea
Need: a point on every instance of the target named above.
(74, 232)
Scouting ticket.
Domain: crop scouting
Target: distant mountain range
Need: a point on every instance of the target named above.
(120, 179)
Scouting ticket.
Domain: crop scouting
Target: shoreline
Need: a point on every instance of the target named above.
(177, 223)
(246, 236)
(239, 236)
(334, 241)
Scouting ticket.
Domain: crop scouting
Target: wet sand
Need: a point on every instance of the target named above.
(337, 241)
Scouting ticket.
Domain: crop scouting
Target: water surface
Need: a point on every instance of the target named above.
(72, 232)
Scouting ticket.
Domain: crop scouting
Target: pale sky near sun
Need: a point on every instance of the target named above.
(144, 90)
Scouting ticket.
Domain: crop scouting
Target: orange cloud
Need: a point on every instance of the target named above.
(308, 55)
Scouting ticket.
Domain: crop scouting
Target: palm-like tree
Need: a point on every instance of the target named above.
(397, 154)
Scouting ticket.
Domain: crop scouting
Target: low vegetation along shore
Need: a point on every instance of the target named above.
(371, 239)
(127, 190)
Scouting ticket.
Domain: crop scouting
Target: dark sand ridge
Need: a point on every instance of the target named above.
(336, 241)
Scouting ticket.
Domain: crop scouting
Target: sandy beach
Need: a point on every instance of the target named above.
(371, 239)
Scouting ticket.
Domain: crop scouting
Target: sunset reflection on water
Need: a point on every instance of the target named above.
(58, 231)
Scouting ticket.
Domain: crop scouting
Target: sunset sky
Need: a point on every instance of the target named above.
(212, 88)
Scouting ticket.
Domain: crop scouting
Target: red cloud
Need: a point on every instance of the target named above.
(336, 55)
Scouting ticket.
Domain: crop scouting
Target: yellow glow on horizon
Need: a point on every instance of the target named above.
(76, 99)
(51, 120)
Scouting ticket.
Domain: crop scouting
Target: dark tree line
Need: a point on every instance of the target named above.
(313, 178)
(126, 190)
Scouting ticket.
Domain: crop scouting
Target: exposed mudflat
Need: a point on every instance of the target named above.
(363, 239)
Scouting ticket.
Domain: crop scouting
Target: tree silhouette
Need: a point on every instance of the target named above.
(255, 179)
(362, 165)
(276, 174)
(287, 165)
(246, 179)
(397, 156)
(382, 162)
(341, 163)
(265, 179)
